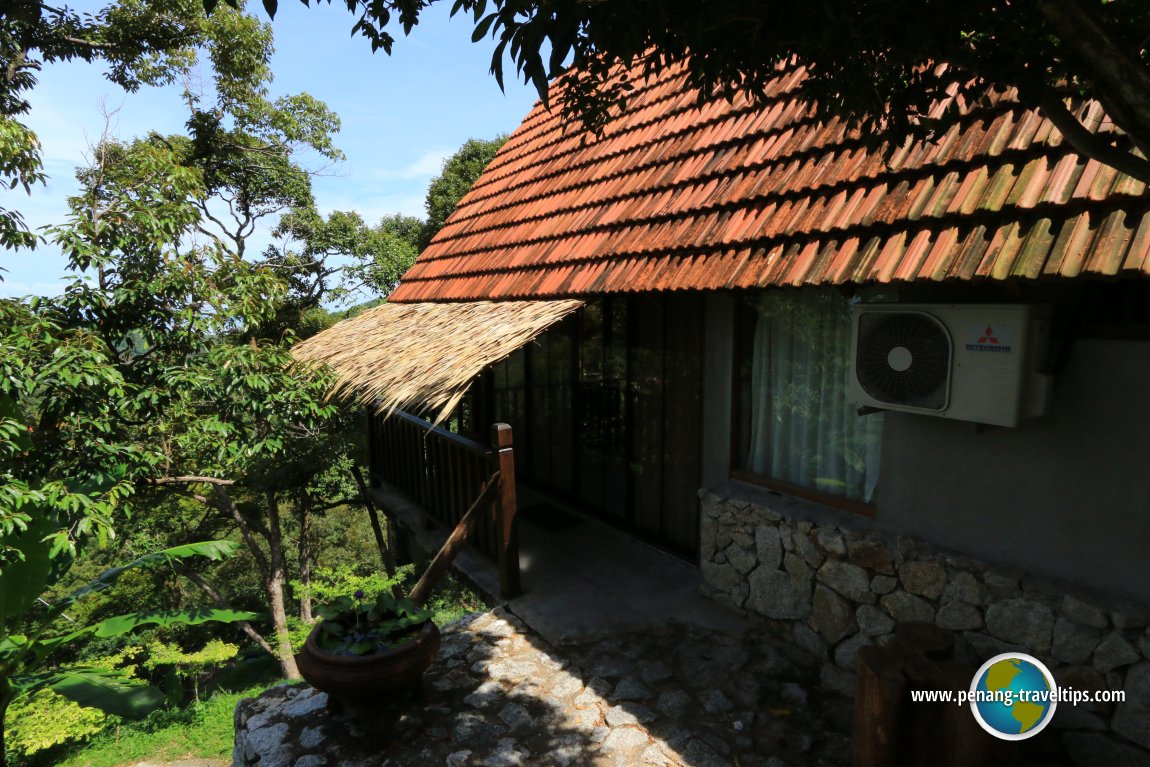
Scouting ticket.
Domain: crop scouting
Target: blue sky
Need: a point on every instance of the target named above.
(401, 116)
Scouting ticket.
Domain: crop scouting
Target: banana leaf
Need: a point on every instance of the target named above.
(122, 624)
(23, 580)
(214, 550)
(109, 690)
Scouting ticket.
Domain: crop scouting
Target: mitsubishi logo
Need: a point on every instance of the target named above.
(988, 340)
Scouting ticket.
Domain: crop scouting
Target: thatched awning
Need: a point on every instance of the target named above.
(425, 355)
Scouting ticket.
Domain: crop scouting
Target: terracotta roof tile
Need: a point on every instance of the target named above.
(963, 263)
(675, 196)
(1138, 256)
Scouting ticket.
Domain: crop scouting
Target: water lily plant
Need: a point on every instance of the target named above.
(358, 626)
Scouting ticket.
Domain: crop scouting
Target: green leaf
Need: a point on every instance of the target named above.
(560, 48)
(12, 645)
(122, 624)
(482, 27)
(22, 581)
(538, 79)
(106, 690)
(9, 409)
(214, 550)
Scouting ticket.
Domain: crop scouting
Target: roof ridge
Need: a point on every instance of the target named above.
(562, 136)
(722, 194)
(538, 116)
(797, 75)
(650, 80)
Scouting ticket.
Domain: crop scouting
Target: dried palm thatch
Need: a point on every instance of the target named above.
(424, 356)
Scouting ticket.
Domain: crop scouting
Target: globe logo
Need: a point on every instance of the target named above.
(1013, 696)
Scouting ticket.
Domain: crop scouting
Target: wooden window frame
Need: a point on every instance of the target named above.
(862, 508)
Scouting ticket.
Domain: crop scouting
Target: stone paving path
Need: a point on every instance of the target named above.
(499, 696)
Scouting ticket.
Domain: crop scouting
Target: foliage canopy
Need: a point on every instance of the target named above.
(142, 42)
(24, 652)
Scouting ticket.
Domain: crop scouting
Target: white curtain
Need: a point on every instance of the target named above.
(802, 429)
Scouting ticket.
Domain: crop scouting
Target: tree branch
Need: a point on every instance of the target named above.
(206, 587)
(1090, 144)
(190, 479)
(1119, 73)
(334, 504)
(249, 539)
(81, 43)
(207, 214)
(226, 506)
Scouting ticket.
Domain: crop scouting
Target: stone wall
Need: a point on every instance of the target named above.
(836, 584)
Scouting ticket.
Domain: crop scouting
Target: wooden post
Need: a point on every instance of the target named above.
(505, 511)
(924, 639)
(374, 448)
(891, 731)
(879, 707)
(422, 457)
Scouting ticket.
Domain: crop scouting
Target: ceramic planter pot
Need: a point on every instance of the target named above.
(366, 680)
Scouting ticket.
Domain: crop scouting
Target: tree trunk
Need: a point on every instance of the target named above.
(274, 584)
(272, 568)
(275, 591)
(386, 549)
(305, 557)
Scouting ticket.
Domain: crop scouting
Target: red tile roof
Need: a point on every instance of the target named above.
(678, 196)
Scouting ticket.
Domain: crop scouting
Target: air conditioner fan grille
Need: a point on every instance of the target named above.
(903, 359)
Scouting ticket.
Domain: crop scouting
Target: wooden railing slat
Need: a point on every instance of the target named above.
(445, 474)
(453, 485)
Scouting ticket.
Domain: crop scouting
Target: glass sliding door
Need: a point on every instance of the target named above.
(606, 410)
(646, 388)
(682, 421)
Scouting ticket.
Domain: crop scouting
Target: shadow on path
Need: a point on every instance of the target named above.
(500, 695)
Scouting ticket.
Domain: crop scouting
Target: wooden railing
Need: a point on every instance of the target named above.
(443, 473)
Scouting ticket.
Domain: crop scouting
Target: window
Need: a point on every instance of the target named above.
(794, 425)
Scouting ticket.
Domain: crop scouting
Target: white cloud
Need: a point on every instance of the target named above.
(428, 164)
(19, 288)
(373, 207)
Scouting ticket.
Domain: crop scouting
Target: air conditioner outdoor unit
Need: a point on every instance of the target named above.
(969, 362)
